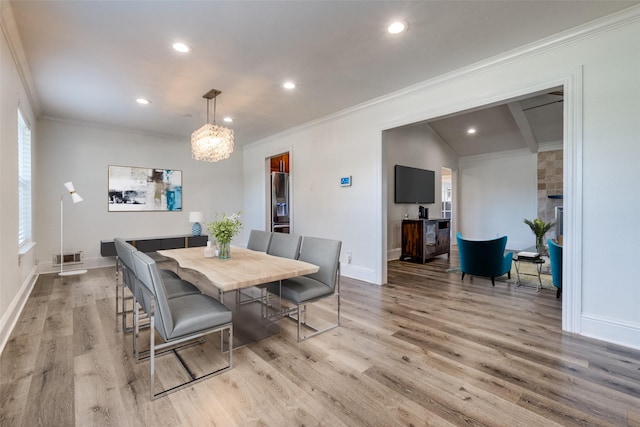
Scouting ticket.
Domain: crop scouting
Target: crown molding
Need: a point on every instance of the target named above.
(506, 154)
(111, 128)
(606, 23)
(550, 146)
(12, 36)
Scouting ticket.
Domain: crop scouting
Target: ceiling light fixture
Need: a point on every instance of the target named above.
(398, 27)
(228, 119)
(181, 47)
(211, 142)
(289, 85)
(471, 131)
(143, 101)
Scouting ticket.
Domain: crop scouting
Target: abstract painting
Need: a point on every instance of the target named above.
(144, 189)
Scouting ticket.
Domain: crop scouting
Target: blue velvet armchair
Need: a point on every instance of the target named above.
(485, 258)
(555, 257)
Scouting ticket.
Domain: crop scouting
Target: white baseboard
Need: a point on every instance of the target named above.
(10, 317)
(347, 270)
(358, 273)
(394, 254)
(626, 334)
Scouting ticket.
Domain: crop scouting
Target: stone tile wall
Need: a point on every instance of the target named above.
(549, 184)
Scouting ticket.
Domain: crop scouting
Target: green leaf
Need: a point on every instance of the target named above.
(224, 227)
(539, 227)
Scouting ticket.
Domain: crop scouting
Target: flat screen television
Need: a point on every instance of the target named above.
(414, 185)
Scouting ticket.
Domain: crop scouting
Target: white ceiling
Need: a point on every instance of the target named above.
(89, 60)
(520, 123)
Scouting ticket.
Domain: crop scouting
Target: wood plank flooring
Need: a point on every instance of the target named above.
(427, 349)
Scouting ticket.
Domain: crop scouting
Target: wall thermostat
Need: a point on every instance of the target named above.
(345, 181)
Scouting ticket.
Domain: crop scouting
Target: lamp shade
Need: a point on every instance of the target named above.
(74, 196)
(195, 217)
(76, 199)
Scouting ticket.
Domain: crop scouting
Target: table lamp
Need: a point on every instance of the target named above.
(196, 218)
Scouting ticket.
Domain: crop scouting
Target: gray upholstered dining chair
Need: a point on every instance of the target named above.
(181, 321)
(124, 250)
(123, 264)
(175, 286)
(303, 290)
(259, 240)
(280, 244)
(284, 245)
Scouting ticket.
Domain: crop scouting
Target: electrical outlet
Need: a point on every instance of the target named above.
(349, 256)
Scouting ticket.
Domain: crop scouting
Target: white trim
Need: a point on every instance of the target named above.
(25, 248)
(497, 155)
(359, 273)
(11, 316)
(111, 128)
(572, 172)
(550, 146)
(617, 332)
(380, 233)
(394, 254)
(12, 36)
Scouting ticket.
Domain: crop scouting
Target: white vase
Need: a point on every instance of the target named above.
(209, 251)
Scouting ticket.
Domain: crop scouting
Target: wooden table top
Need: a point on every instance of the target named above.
(244, 269)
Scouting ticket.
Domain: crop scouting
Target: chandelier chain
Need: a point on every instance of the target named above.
(214, 109)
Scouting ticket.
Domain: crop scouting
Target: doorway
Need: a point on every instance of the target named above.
(279, 194)
(571, 85)
(447, 193)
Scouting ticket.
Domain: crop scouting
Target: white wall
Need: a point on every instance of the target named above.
(611, 295)
(416, 146)
(606, 148)
(16, 272)
(320, 206)
(82, 153)
(496, 192)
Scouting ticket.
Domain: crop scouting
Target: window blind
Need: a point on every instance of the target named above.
(24, 181)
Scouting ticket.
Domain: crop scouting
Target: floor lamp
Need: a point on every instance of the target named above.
(76, 199)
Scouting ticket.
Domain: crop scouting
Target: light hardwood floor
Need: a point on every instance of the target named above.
(427, 349)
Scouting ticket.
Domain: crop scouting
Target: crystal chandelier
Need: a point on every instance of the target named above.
(211, 142)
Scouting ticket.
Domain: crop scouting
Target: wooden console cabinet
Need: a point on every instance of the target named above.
(423, 239)
(152, 244)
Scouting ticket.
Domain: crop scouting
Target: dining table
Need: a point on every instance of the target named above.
(245, 269)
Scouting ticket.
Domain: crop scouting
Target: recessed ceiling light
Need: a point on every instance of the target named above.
(471, 131)
(228, 119)
(181, 47)
(398, 27)
(289, 85)
(143, 101)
